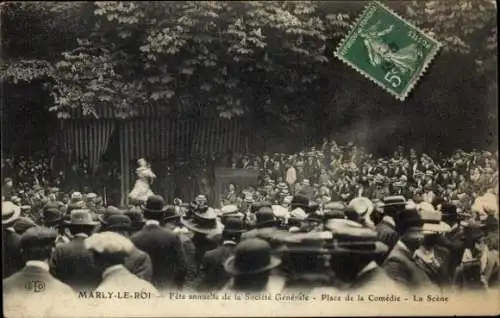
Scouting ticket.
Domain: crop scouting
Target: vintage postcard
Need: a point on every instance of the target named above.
(249, 158)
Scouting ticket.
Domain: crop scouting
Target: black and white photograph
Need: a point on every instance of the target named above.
(249, 158)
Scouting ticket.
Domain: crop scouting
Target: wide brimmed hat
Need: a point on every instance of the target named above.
(81, 217)
(119, 222)
(10, 212)
(203, 222)
(362, 205)
(432, 219)
(51, 216)
(334, 210)
(108, 212)
(280, 212)
(154, 204)
(396, 200)
(251, 256)
(265, 217)
(350, 237)
(233, 225)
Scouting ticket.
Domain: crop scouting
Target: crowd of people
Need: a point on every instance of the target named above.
(332, 219)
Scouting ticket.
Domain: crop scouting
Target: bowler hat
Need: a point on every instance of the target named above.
(38, 236)
(233, 225)
(408, 218)
(155, 204)
(51, 216)
(258, 205)
(203, 222)
(81, 217)
(264, 217)
(119, 222)
(251, 256)
(109, 211)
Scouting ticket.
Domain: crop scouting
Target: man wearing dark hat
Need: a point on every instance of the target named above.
(453, 240)
(251, 268)
(52, 218)
(266, 226)
(400, 264)
(172, 222)
(137, 218)
(213, 275)
(386, 229)
(22, 224)
(71, 262)
(108, 212)
(205, 228)
(137, 262)
(162, 245)
(11, 241)
(304, 260)
(353, 250)
(33, 291)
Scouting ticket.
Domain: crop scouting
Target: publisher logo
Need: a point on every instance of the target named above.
(35, 285)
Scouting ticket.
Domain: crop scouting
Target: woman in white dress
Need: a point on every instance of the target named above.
(145, 178)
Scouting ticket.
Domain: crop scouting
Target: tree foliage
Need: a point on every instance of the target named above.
(261, 57)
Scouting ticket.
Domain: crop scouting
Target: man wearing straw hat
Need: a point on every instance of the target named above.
(71, 262)
(431, 257)
(11, 241)
(205, 226)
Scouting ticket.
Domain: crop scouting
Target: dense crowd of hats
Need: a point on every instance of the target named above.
(358, 241)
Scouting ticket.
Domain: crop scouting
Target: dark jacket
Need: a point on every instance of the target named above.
(11, 252)
(438, 274)
(386, 233)
(73, 264)
(165, 250)
(453, 241)
(401, 267)
(213, 275)
(139, 263)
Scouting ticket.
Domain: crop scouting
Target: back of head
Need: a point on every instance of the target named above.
(37, 243)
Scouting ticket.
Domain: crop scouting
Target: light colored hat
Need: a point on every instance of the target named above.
(298, 214)
(432, 219)
(362, 205)
(91, 196)
(280, 211)
(109, 243)
(288, 199)
(10, 212)
(76, 196)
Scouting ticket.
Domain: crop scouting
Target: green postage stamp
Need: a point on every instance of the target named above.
(387, 50)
